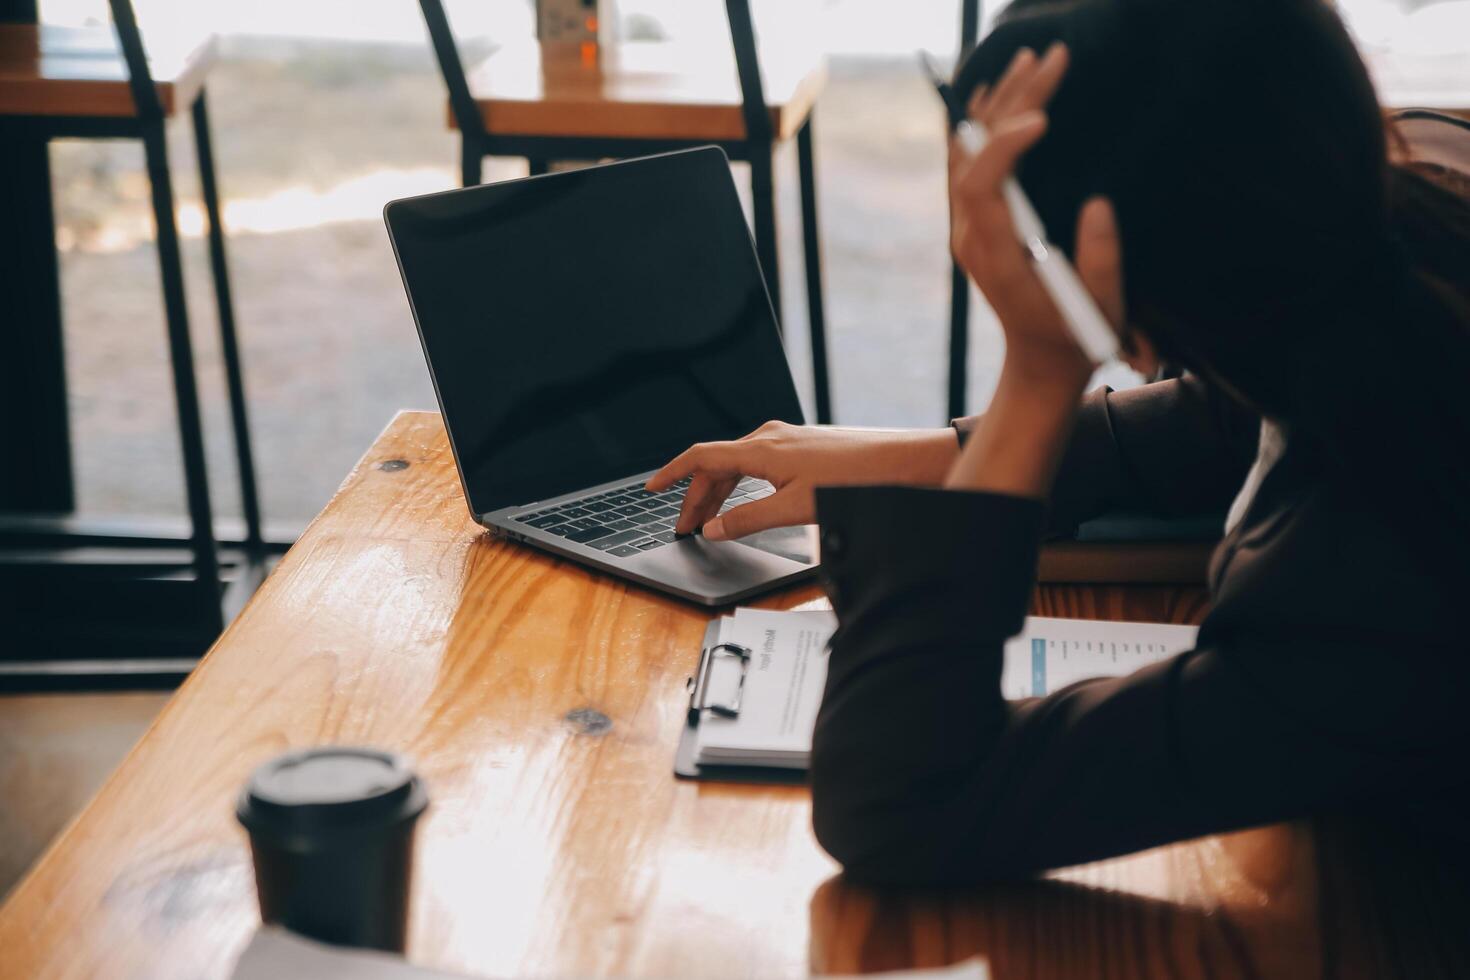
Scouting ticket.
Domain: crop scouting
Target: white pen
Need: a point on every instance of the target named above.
(1089, 328)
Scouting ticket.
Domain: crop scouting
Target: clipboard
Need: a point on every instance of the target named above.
(686, 765)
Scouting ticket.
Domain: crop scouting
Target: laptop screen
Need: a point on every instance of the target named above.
(586, 326)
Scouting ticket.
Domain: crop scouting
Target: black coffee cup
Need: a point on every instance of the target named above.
(331, 830)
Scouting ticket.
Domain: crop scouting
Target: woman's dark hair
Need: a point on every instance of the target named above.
(1269, 244)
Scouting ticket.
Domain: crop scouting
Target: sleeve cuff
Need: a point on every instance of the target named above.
(1090, 473)
(926, 548)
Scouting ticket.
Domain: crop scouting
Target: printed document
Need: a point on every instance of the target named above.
(1049, 654)
(778, 690)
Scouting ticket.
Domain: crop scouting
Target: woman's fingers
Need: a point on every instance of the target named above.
(706, 457)
(781, 509)
(1007, 142)
(985, 236)
(979, 177)
(714, 468)
(1100, 257)
(1045, 78)
(1011, 81)
(705, 497)
(1028, 83)
(675, 469)
(977, 101)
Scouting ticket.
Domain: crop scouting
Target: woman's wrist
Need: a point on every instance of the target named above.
(910, 457)
(927, 455)
(1016, 445)
(1045, 372)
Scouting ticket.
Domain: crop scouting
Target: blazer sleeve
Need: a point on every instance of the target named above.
(1172, 448)
(922, 773)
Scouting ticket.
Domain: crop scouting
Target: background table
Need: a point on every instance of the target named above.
(542, 703)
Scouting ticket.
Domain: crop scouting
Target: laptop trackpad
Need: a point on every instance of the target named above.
(796, 543)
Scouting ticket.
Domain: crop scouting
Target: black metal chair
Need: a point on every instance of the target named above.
(549, 105)
(959, 282)
(84, 83)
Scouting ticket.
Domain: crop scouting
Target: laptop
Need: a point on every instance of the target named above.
(584, 328)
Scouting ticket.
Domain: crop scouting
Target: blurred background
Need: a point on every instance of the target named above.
(325, 109)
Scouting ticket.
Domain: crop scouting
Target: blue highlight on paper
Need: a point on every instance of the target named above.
(1049, 655)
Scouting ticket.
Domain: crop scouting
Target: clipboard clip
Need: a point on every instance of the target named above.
(699, 684)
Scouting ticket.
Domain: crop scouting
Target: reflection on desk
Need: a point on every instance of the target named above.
(1327, 898)
(542, 703)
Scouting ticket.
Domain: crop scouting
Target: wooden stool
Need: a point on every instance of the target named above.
(548, 103)
(92, 83)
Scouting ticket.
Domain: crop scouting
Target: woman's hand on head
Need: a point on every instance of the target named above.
(983, 236)
(796, 459)
(1015, 446)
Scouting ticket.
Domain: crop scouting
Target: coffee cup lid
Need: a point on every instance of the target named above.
(330, 789)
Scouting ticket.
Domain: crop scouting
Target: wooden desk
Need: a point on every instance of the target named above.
(542, 703)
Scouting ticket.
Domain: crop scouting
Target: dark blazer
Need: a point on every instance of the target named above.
(1327, 675)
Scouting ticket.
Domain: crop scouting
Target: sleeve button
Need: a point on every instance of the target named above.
(833, 544)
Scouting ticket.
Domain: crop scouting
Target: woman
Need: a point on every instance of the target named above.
(1221, 175)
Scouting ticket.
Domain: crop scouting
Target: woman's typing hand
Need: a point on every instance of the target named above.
(796, 459)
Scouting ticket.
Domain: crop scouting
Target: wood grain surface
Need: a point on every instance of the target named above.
(640, 90)
(542, 703)
(80, 71)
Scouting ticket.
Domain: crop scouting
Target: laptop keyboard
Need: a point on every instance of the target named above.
(629, 520)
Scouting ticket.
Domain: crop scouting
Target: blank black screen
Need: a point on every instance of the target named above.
(582, 327)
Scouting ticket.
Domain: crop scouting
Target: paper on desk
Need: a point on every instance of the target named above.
(1049, 654)
(275, 954)
(788, 671)
(783, 689)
